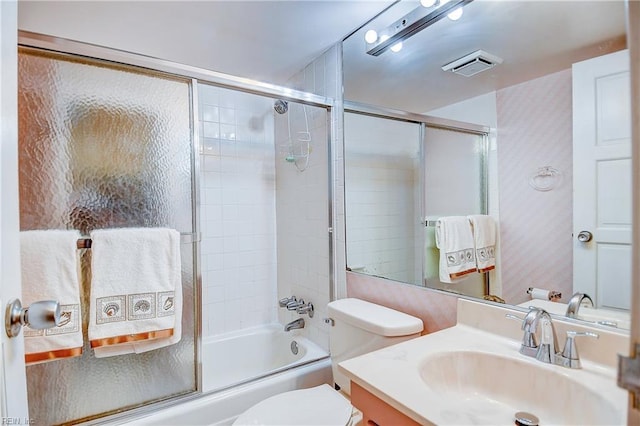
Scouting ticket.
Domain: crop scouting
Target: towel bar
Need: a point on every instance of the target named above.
(185, 238)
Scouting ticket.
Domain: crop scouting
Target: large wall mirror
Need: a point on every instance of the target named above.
(530, 125)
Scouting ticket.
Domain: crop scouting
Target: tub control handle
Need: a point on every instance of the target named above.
(329, 321)
(284, 302)
(306, 309)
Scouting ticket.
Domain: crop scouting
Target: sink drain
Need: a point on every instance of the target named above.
(526, 419)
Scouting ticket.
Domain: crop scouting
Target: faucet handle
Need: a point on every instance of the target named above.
(529, 346)
(284, 302)
(569, 356)
(306, 309)
(294, 304)
(513, 317)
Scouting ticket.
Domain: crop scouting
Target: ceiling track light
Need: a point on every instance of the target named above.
(412, 23)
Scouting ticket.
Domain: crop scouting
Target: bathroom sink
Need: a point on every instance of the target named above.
(474, 374)
(488, 388)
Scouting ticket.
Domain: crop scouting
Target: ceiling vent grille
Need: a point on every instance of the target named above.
(473, 63)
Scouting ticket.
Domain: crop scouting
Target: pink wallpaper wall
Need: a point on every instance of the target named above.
(535, 130)
(436, 310)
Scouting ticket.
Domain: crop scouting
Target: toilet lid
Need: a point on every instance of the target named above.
(315, 406)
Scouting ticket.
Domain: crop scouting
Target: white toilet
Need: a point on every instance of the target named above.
(358, 327)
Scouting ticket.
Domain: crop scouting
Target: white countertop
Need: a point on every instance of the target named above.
(393, 375)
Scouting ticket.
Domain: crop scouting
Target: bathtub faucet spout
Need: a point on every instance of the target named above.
(299, 323)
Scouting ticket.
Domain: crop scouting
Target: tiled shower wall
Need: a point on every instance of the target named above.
(250, 259)
(238, 205)
(382, 192)
(303, 203)
(302, 199)
(381, 220)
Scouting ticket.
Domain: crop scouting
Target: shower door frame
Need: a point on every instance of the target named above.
(195, 75)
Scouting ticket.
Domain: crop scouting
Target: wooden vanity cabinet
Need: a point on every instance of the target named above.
(376, 412)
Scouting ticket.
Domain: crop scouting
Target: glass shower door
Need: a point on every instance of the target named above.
(106, 146)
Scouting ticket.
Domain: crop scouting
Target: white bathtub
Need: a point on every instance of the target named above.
(242, 356)
(231, 365)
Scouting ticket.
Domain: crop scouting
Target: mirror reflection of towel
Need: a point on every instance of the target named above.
(484, 236)
(455, 241)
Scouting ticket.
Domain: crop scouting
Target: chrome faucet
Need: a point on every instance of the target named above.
(294, 304)
(299, 323)
(547, 351)
(575, 302)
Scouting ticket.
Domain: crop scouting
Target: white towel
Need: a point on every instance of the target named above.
(484, 236)
(50, 271)
(135, 286)
(146, 345)
(455, 241)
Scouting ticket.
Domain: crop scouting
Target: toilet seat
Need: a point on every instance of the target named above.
(320, 405)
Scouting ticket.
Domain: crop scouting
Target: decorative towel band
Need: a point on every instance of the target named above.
(49, 355)
(128, 338)
(463, 259)
(461, 274)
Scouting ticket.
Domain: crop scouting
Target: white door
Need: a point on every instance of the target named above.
(602, 179)
(13, 388)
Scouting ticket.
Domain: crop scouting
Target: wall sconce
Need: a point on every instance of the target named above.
(430, 12)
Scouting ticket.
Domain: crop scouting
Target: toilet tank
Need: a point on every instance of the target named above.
(360, 327)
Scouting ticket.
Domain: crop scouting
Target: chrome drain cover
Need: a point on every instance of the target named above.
(526, 419)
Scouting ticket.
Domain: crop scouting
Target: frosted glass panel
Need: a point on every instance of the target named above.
(104, 147)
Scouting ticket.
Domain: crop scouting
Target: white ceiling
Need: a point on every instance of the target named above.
(268, 41)
(534, 38)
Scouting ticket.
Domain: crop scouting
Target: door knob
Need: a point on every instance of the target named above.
(585, 236)
(39, 315)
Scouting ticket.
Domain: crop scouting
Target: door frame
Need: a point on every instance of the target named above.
(14, 407)
(633, 43)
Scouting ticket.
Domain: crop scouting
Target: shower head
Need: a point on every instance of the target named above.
(281, 106)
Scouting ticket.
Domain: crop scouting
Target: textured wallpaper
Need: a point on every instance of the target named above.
(535, 130)
(436, 310)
